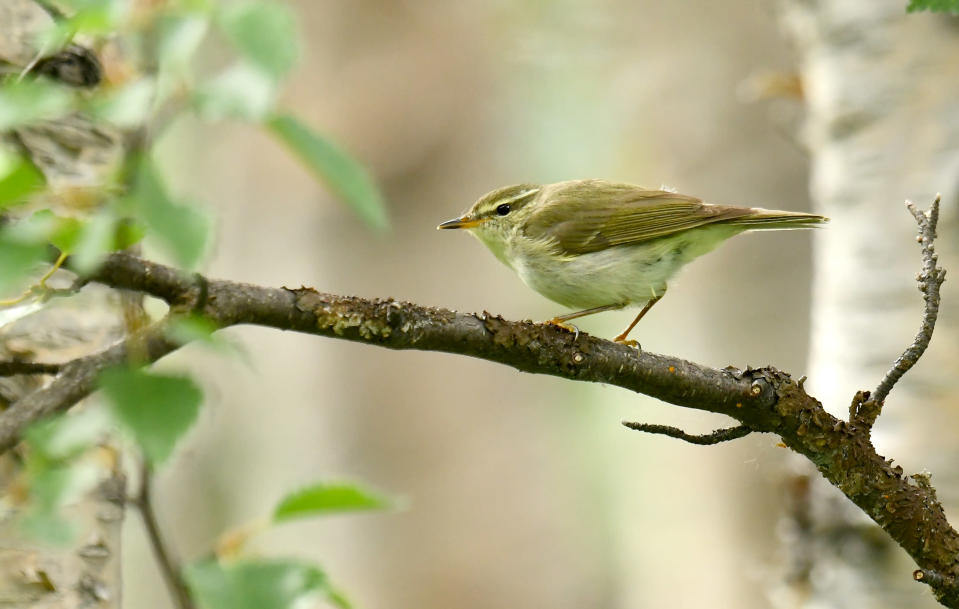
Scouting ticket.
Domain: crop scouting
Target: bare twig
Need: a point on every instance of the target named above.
(77, 379)
(13, 368)
(945, 587)
(168, 565)
(928, 576)
(720, 435)
(930, 280)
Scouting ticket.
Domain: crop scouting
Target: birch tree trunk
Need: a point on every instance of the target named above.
(882, 98)
(85, 572)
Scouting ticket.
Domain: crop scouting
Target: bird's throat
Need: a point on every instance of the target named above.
(495, 242)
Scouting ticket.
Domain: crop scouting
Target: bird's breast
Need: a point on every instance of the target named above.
(621, 275)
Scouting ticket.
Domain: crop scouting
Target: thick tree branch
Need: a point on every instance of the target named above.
(526, 346)
(529, 347)
(762, 400)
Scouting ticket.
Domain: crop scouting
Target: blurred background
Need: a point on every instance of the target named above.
(520, 491)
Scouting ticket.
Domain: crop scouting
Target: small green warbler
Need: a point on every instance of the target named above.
(598, 246)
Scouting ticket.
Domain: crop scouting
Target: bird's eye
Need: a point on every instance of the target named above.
(502, 209)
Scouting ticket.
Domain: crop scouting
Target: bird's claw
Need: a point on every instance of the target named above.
(564, 326)
(622, 340)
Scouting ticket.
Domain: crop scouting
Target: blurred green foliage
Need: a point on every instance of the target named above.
(26, 101)
(119, 204)
(940, 6)
(328, 162)
(265, 40)
(323, 499)
(58, 470)
(264, 33)
(257, 584)
(183, 229)
(20, 257)
(157, 409)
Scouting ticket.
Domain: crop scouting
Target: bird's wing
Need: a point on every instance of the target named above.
(583, 217)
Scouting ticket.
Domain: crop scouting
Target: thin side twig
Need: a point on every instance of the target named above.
(708, 439)
(930, 280)
(928, 576)
(78, 378)
(13, 368)
(168, 565)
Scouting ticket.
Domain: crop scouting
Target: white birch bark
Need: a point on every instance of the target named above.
(86, 571)
(882, 93)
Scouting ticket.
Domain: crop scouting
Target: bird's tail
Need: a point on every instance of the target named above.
(774, 219)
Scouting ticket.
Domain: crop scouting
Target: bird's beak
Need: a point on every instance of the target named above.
(464, 222)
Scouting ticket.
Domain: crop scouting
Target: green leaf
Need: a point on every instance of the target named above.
(18, 259)
(66, 233)
(93, 16)
(48, 526)
(51, 487)
(68, 435)
(19, 178)
(265, 33)
(35, 228)
(128, 106)
(180, 37)
(192, 328)
(63, 232)
(254, 584)
(94, 241)
(55, 475)
(338, 599)
(345, 177)
(940, 6)
(241, 92)
(183, 229)
(158, 409)
(127, 233)
(101, 234)
(23, 245)
(322, 499)
(27, 101)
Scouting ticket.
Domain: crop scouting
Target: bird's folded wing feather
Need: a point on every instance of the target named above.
(608, 215)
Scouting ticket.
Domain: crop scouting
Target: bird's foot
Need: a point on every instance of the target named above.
(565, 326)
(621, 339)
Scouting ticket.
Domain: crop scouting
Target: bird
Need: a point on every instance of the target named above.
(594, 245)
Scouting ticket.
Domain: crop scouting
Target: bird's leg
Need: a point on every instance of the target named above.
(560, 321)
(649, 305)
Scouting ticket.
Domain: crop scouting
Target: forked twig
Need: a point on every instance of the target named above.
(930, 280)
